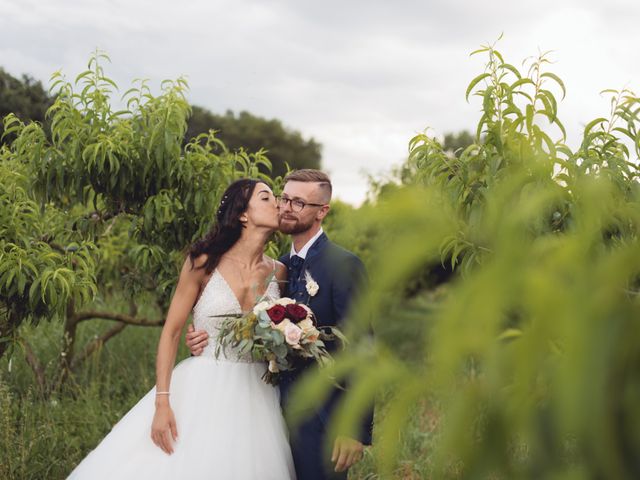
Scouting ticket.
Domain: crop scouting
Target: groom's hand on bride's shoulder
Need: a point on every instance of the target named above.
(346, 452)
(196, 341)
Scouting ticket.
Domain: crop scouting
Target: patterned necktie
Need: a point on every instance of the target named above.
(295, 270)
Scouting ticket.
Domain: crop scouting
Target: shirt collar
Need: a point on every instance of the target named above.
(304, 250)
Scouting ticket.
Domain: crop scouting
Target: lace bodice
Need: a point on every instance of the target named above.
(217, 299)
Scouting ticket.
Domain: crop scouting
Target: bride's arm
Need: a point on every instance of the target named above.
(281, 276)
(163, 428)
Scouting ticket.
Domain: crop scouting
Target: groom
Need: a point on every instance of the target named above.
(337, 273)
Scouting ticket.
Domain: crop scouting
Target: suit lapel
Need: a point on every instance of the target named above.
(316, 248)
(286, 259)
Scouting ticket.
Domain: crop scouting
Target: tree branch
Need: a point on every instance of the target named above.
(97, 343)
(118, 317)
(133, 308)
(34, 363)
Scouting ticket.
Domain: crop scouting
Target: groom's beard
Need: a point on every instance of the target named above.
(293, 226)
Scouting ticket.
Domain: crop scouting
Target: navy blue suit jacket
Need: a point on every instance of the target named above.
(339, 273)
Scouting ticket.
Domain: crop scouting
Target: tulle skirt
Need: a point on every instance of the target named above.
(229, 424)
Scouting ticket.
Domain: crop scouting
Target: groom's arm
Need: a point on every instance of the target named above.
(196, 340)
(352, 279)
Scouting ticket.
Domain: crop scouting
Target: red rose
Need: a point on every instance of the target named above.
(296, 312)
(277, 313)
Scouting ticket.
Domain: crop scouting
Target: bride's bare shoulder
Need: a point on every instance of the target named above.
(193, 268)
(280, 268)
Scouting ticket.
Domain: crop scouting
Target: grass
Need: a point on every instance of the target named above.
(46, 436)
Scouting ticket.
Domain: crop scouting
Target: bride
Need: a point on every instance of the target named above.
(208, 417)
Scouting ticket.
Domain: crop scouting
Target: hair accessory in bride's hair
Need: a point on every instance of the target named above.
(221, 208)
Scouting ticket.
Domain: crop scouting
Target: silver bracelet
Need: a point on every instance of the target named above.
(162, 393)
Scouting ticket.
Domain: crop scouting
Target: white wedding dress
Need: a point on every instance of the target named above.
(229, 421)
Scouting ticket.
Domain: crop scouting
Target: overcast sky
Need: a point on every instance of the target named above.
(361, 77)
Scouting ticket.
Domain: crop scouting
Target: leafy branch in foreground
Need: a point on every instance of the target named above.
(531, 348)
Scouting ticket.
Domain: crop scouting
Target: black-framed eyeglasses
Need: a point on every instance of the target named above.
(295, 204)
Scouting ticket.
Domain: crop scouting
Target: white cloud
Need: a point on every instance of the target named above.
(361, 77)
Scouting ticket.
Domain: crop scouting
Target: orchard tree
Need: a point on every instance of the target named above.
(43, 267)
(101, 211)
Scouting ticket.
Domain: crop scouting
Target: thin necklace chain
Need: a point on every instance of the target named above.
(238, 262)
(242, 278)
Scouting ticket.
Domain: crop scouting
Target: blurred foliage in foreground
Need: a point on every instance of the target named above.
(529, 350)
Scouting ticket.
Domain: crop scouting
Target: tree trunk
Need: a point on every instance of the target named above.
(8, 325)
(68, 343)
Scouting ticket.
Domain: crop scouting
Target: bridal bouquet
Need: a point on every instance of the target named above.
(278, 332)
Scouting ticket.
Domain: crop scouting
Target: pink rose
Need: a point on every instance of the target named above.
(282, 325)
(292, 334)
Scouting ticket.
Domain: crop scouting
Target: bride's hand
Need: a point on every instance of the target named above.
(163, 428)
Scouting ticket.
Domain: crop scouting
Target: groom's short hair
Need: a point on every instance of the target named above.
(309, 175)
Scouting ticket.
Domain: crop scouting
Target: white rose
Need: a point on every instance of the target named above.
(284, 301)
(306, 325)
(261, 307)
(311, 285)
(312, 288)
(292, 334)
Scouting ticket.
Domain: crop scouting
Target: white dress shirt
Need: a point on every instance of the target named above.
(304, 250)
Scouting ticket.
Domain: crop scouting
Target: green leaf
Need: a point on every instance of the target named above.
(550, 104)
(512, 69)
(34, 291)
(561, 127)
(83, 75)
(529, 117)
(557, 79)
(474, 82)
(480, 50)
(592, 124)
(10, 276)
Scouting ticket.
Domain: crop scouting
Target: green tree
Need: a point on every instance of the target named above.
(28, 100)
(457, 142)
(244, 130)
(530, 352)
(24, 97)
(97, 215)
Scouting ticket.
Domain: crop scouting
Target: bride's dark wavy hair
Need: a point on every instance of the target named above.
(227, 228)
